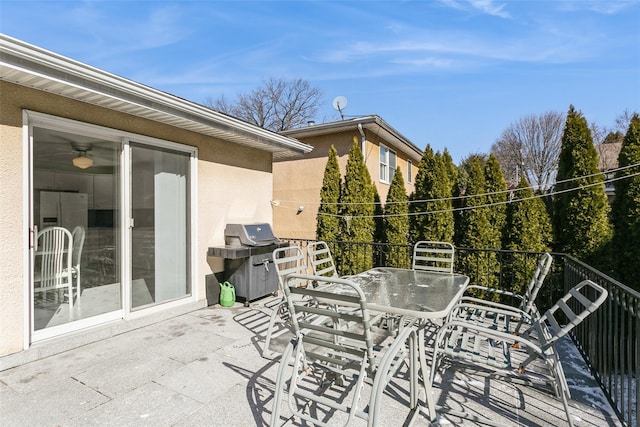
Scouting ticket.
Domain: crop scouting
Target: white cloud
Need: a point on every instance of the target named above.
(609, 7)
(488, 7)
(157, 27)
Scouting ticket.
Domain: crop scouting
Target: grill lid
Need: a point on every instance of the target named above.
(249, 235)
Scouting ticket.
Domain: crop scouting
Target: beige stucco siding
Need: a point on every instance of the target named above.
(299, 181)
(229, 195)
(12, 228)
(234, 184)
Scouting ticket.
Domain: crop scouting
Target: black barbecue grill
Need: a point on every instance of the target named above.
(248, 260)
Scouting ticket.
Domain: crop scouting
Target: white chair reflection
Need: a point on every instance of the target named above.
(52, 265)
(78, 236)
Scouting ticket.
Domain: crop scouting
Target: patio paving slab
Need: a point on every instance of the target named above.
(204, 368)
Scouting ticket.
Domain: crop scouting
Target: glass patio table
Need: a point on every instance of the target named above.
(421, 295)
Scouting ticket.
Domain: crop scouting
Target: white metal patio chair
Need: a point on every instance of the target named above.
(78, 235)
(325, 367)
(433, 256)
(522, 307)
(322, 264)
(52, 263)
(489, 351)
(287, 260)
(321, 260)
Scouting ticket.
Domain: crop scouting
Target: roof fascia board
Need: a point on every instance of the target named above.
(373, 123)
(36, 61)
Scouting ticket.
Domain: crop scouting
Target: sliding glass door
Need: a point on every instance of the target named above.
(76, 227)
(110, 225)
(160, 231)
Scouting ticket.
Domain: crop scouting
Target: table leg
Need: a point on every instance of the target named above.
(422, 354)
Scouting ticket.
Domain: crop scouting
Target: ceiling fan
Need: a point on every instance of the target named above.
(82, 160)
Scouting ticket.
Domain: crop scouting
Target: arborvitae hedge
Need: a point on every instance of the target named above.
(432, 216)
(496, 188)
(474, 228)
(396, 223)
(357, 224)
(528, 229)
(327, 224)
(626, 209)
(581, 209)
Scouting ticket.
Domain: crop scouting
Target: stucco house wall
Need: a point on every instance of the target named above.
(233, 172)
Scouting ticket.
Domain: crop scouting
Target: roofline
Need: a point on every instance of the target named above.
(28, 65)
(373, 123)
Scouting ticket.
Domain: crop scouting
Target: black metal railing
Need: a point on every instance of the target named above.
(609, 340)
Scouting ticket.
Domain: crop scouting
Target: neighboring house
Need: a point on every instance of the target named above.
(297, 182)
(152, 180)
(608, 161)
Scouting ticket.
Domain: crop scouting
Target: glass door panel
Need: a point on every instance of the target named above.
(160, 231)
(75, 188)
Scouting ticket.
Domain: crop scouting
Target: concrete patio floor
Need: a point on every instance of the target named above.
(204, 368)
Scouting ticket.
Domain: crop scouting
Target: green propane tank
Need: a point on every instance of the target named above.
(227, 294)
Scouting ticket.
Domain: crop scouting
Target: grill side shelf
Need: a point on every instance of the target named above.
(230, 252)
(236, 252)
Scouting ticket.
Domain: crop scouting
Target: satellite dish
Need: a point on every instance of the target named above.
(339, 103)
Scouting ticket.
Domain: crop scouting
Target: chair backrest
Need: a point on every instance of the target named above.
(321, 260)
(78, 235)
(433, 256)
(581, 300)
(537, 279)
(53, 258)
(288, 260)
(339, 301)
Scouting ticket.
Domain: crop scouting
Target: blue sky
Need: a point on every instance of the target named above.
(450, 73)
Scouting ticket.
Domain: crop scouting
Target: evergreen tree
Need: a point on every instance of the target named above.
(528, 229)
(431, 206)
(396, 223)
(357, 224)
(378, 235)
(327, 220)
(474, 227)
(626, 209)
(452, 171)
(581, 208)
(496, 188)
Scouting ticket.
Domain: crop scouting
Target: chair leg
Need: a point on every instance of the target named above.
(78, 284)
(280, 384)
(565, 403)
(266, 353)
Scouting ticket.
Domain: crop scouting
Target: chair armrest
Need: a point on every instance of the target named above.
(493, 307)
(487, 333)
(494, 290)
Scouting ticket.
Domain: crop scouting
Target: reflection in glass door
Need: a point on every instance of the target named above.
(160, 231)
(76, 267)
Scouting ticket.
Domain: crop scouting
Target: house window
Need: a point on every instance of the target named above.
(409, 171)
(387, 164)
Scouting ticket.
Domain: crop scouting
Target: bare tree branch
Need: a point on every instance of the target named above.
(276, 105)
(531, 146)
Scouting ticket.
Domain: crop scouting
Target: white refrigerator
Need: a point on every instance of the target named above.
(62, 209)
